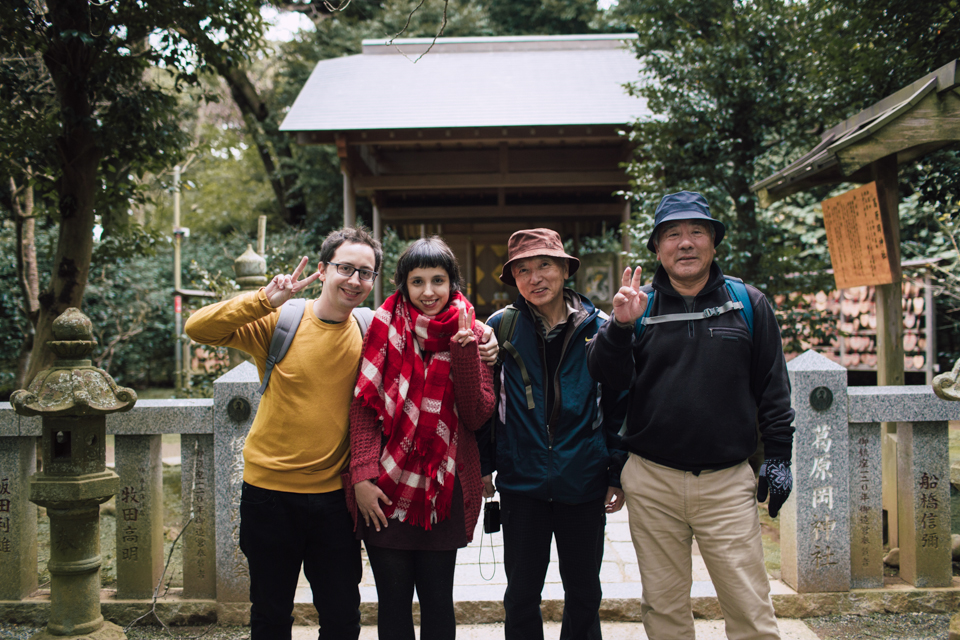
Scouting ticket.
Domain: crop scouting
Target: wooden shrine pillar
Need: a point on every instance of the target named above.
(890, 331)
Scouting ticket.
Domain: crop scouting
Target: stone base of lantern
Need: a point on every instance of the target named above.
(107, 631)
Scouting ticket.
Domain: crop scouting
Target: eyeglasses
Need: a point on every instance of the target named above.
(347, 271)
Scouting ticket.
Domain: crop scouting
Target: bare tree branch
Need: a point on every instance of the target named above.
(443, 25)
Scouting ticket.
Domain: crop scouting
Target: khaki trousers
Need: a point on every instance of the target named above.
(667, 508)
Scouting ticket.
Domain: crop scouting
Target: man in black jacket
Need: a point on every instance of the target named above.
(704, 371)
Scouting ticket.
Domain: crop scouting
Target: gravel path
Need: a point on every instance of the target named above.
(908, 626)
(903, 626)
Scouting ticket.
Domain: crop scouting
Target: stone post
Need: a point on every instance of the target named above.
(18, 518)
(199, 501)
(236, 398)
(866, 506)
(923, 471)
(139, 516)
(815, 523)
(73, 398)
(923, 498)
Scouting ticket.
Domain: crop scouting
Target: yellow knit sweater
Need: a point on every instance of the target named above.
(299, 441)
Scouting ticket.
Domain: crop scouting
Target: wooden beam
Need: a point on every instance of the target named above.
(371, 159)
(933, 122)
(349, 200)
(366, 184)
(555, 134)
(613, 211)
(889, 334)
(503, 159)
(889, 296)
(624, 233)
(378, 236)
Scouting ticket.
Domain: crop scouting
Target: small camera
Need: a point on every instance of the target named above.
(491, 517)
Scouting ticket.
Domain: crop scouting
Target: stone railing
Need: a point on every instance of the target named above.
(211, 442)
(830, 528)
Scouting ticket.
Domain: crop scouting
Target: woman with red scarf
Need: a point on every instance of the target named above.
(415, 467)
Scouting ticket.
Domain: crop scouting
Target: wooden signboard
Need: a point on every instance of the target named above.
(858, 246)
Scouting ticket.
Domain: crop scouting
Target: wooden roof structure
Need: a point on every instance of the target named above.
(910, 123)
(919, 118)
(480, 137)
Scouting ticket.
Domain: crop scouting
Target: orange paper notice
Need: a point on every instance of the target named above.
(858, 247)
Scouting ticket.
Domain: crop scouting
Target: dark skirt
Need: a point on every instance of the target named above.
(446, 535)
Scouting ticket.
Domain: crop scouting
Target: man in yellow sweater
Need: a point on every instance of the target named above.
(292, 507)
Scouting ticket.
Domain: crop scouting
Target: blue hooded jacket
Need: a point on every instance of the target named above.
(577, 459)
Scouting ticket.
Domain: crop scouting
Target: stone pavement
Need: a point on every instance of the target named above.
(480, 576)
(705, 630)
(480, 583)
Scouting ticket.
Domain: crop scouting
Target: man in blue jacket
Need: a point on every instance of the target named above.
(702, 357)
(554, 432)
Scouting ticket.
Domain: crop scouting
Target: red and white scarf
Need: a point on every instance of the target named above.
(406, 365)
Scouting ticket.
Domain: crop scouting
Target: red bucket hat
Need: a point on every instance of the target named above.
(535, 242)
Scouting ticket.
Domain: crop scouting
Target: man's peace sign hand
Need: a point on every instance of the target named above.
(629, 303)
(284, 287)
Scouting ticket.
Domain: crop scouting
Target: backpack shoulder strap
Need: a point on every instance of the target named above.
(505, 331)
(738, 290)
(640, 325)
(508, 323)
(364, 317)
(738, 300)
(287, 324)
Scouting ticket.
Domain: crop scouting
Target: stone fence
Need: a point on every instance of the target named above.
(831, 535)
(212, 433)
(831, 528)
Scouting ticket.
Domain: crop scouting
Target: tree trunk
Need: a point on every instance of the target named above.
(28, 277)
(70, 62)
(256, 114)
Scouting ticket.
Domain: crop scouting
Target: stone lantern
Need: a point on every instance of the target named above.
(251, 270)
(73, 398)
(251, 274)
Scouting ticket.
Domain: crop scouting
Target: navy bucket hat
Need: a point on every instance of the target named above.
(685, 205)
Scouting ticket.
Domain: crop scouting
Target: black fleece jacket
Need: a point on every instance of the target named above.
(698, 389)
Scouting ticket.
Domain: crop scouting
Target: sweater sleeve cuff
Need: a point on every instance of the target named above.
(619, 334)
(262, 299)
(360, 473)
(777, 449)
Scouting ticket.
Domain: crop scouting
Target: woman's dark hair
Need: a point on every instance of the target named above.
(426, 253)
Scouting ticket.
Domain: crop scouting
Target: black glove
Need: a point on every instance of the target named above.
(775, 476)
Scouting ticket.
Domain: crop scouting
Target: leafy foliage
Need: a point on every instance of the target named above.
(114, 121)
(740, 89)
(862, 51)
(544, 17)
(723, 82)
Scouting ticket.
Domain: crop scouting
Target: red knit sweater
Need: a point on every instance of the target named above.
(473, 390)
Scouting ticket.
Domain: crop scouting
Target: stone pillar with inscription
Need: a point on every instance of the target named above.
(923, 499)
(815, 524)
(866, 506)
(73, 398)
(18, 516)
(139, 516)
(199, 504)
(236, 398)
